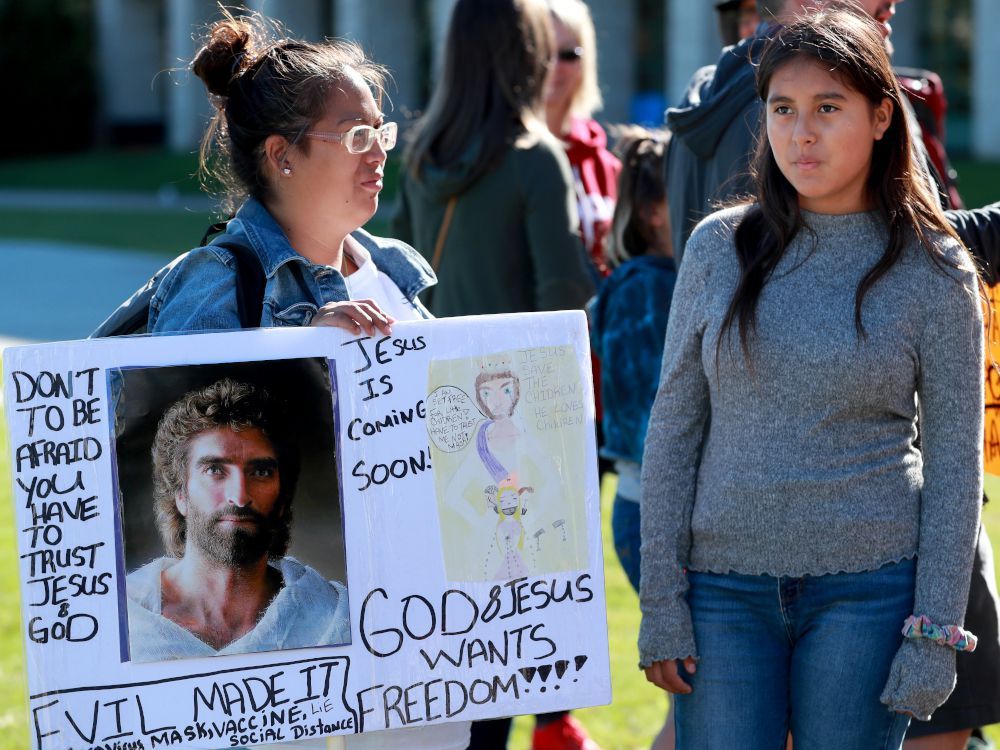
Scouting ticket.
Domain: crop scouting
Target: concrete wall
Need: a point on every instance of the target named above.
(985, 86)
(615, 23)
(140, 39)
(394, 45)
(692, 40)
(130, 55)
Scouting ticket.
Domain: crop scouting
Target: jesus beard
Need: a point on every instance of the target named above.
(236, 545)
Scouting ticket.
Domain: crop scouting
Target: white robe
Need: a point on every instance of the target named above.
(307, 611)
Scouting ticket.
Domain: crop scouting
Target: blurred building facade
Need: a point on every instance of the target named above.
(648, 50)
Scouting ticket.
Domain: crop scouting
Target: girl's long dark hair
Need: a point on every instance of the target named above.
(496, 60)
(847, 41)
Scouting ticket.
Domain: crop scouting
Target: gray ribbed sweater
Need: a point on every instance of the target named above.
(808, 464)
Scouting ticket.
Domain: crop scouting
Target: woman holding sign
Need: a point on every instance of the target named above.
(300, 141)
(805, 559)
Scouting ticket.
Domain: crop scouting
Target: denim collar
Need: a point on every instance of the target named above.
(266, 236)
(407, 268)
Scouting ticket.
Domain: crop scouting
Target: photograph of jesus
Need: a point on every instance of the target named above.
(225, 468)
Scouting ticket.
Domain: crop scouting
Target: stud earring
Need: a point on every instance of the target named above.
(286, 171)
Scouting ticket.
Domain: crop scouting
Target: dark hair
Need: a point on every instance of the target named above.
(496, 60)
(262, 85)
(225, 403)
(499, 374)
(846, 41)
(640, 185)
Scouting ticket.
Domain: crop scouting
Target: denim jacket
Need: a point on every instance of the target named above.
(199, 291)
(628, 322)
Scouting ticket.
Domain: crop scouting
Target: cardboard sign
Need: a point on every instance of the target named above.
(263, 536)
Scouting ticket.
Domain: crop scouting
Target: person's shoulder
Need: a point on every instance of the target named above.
(718, 227)
(377, 245)
(644, 272)
(953, 252)
(398, 260)
(537, 145)
(710, 246)
(212, 259)
(954, 257)
(539, 162)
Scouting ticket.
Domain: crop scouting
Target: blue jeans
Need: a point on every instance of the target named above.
(625, 530)
(808, 655)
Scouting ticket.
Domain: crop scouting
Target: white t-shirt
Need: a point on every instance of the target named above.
(370, 283)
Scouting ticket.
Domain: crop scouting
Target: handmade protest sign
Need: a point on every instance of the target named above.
(508, 477)
(991, 433)
(414, 519)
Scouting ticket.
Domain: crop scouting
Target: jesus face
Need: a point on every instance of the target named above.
(231, 495)
(498, 396)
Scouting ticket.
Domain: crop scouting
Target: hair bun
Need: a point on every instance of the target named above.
(228, 51)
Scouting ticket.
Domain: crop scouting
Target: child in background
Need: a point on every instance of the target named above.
(629, 321)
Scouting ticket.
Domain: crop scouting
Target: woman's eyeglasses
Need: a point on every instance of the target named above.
(570, 55)
(361, 138)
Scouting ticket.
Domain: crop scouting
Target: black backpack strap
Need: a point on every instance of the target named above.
(216, 228)
(250, 281)
(250, 275)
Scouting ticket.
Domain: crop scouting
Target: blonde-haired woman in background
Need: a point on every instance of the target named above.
(571, 98)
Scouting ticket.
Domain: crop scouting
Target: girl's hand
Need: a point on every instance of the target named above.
(664, 674)
(355, 316)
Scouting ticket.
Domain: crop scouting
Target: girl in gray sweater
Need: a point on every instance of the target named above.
(805, 558)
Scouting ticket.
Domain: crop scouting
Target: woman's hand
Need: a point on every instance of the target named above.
(355, 316)
(664, 674)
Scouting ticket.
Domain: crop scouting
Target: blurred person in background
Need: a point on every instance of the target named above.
(628, 321)
(571, 98)
(737, 19)
(487, 196)
(486, 193)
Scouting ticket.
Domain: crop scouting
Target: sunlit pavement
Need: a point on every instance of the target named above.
(53, 291)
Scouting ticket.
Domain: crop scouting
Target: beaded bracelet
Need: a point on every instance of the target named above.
(947, 635)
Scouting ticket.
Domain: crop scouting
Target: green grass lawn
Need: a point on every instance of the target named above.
(13, 687)
(978, 182)
(140, 170)
(167, 233)
(145, 170)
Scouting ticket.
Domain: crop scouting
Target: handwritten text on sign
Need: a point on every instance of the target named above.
(425, 648)
(54, 490)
